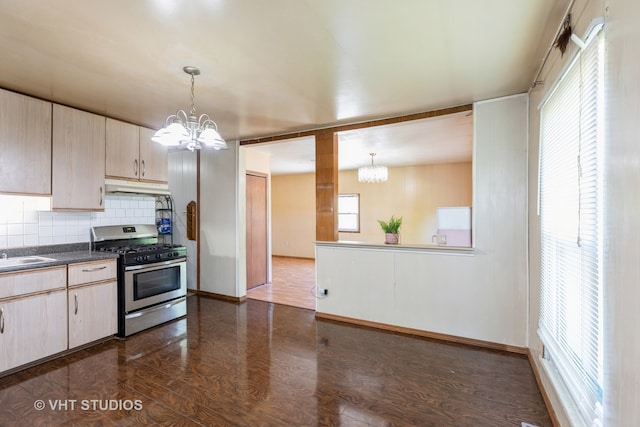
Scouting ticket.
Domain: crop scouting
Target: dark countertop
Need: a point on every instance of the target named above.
(61, 255)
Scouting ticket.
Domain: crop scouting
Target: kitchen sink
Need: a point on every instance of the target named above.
(23, 260)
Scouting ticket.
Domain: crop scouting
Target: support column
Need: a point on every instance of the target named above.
(327, 187)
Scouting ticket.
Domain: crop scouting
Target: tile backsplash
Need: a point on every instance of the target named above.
(24, 221)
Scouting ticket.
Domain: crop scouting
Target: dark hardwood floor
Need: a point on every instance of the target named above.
(263, 364)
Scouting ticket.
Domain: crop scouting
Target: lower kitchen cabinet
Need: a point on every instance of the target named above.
(32, 327)
(33, 315)
(46, 311)
(93, 303)
(92, 313)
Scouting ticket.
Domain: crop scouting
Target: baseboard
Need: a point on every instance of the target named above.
(545, 395)
(293, 257)
(221, 296)
(425, 334)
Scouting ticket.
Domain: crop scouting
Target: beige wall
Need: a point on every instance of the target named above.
(411, 192)
(293, 215)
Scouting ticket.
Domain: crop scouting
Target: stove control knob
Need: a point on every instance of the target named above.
(146, 257)
(175, 254)
(158, 256)
(169, 254)
(139, 258)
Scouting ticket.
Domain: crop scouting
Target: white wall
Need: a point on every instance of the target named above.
(26, 221)
(183, 174)
(622, 215)
(621, 208)
(482, 296)
(221, 219)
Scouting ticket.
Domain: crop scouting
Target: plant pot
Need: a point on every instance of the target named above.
(391, 238)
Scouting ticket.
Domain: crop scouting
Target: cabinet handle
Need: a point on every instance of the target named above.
(100, 196)
(75, 297)
(135, 167)
(89, 270)
(144, 168)
(1, 320)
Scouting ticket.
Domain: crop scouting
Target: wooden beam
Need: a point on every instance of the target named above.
(361, 125)
(327, 187)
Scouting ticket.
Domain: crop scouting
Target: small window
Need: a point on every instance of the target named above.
(349, 213)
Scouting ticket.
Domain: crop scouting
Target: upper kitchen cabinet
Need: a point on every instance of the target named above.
(132, 155)
(78, 160)
(25, 144)
(155, 163)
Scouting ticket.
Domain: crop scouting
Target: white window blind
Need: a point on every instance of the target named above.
(571, 138)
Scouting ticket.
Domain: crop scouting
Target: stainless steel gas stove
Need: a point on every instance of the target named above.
(152, 285)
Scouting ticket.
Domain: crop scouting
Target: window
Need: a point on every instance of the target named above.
(570, 208)
(349, 213)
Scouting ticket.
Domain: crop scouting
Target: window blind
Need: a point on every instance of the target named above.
(571, 136)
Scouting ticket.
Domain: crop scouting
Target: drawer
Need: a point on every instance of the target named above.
(25, 282)
(95, 271)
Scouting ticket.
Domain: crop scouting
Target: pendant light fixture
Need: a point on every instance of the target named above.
(373, 173)
(187, 130)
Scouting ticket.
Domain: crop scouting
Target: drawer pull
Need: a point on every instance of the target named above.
(91, 270)
(1, 320)
(75, 297)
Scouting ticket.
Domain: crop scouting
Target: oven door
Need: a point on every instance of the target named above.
(150, 284)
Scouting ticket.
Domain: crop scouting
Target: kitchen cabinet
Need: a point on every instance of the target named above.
(78, 160)
(33, 315)
(25, 144)
(131, 155)
(155, 163)
(92, 297)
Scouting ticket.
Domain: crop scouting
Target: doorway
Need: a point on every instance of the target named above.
(293, 283)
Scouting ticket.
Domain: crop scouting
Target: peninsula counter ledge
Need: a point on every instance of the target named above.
(397, 247)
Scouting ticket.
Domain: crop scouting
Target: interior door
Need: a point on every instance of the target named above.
(256, 230)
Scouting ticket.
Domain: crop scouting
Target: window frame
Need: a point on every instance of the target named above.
(357, 214)
(571, 214)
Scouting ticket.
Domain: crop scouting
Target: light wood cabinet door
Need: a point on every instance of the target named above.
(153, 158)
(92, 313)
(32, 328)
(25, 144)
(122, 150)
(78, 160)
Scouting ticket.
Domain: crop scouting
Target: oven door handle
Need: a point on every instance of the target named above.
(155, 264)
(159, 307)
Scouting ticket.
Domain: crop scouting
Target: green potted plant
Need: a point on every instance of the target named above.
(391, 229)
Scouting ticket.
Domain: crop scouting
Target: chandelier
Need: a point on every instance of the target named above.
(187, 130)
(373, 173)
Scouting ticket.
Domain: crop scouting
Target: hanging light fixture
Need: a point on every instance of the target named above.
(373, 173)
(188, 130)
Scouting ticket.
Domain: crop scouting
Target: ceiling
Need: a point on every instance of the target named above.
(273, 67)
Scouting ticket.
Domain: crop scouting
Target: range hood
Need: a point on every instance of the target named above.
(125, 186)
